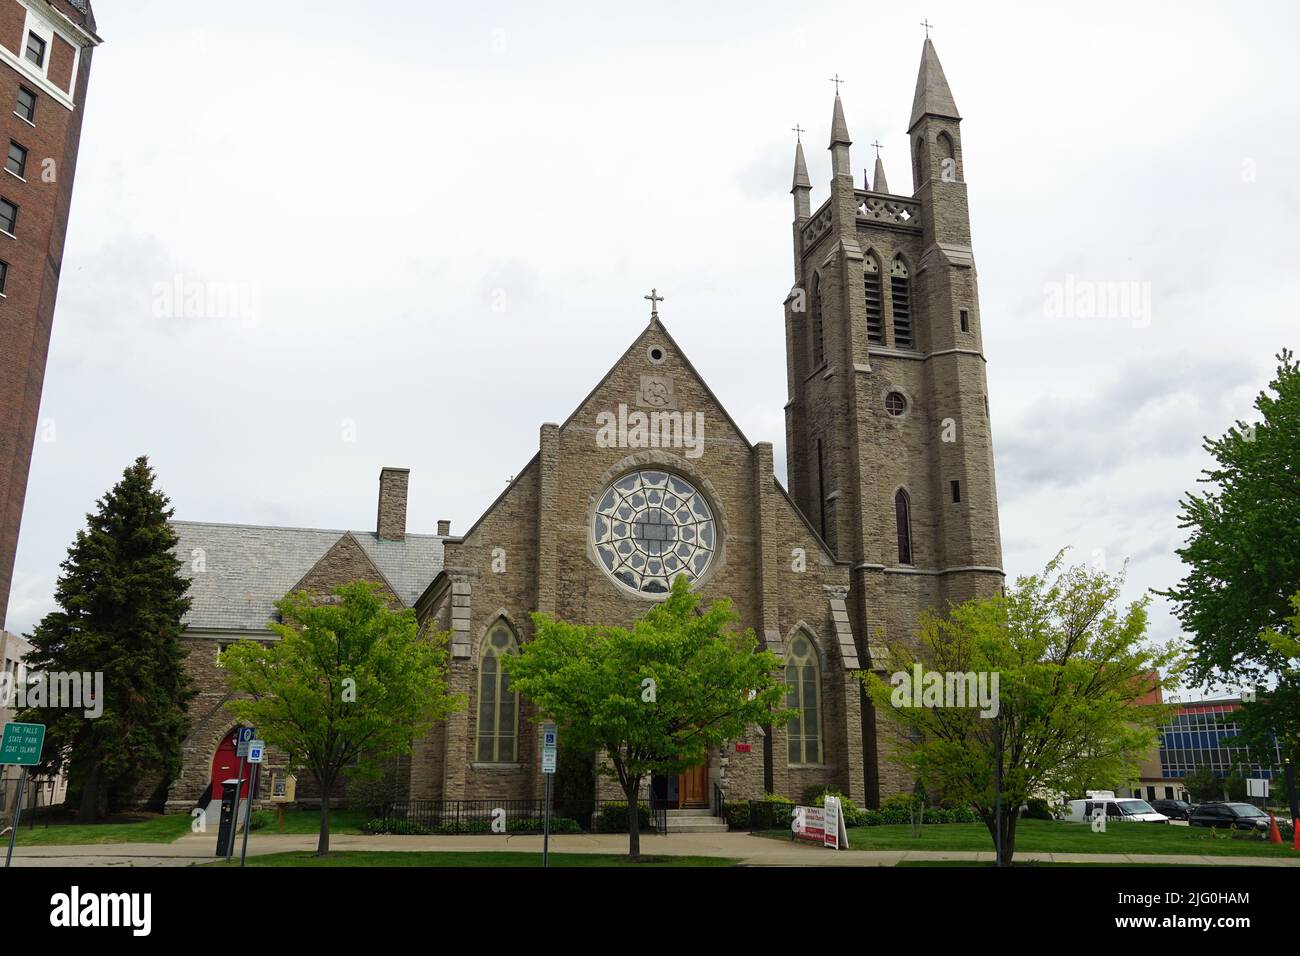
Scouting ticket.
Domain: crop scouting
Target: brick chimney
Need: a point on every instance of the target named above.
(391, 524)
(444, 527)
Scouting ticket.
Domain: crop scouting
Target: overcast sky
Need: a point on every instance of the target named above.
(434, 224)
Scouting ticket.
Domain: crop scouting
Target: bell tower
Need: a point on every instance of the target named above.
(889, 447)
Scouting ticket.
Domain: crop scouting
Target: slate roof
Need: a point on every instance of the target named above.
(250, 567)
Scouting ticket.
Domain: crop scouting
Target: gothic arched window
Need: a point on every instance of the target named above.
(900, 296)
(818, 330)
(498, 705)
(903, 519)
(875, 298)
(803, 696)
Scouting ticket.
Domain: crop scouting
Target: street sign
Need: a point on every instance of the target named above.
(256, 748)
(550, 737)
(245, 734)
(22, 744)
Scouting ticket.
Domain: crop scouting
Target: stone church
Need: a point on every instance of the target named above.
(891, 510)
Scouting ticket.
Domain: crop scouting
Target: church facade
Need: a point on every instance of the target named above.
(891, 510)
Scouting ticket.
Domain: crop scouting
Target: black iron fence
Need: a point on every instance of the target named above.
(517, 816)
(463, 816)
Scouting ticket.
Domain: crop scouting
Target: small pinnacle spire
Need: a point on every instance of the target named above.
(932, 97)
(801, 180)
(880, 186)
(839, 128)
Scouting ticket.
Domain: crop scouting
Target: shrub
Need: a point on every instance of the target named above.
(613, 817)
(771, 813)
(737, 814)
(1037, 809)
(816, 797)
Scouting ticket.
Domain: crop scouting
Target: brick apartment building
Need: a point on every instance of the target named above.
(45, 53)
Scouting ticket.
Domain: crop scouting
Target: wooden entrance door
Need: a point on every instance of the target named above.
(693, 786)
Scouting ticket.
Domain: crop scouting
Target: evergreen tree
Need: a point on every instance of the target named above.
(121, 598)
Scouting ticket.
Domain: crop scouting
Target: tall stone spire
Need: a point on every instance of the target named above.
(801, 188)
(932, 97)
(840, 141)
(878, 180)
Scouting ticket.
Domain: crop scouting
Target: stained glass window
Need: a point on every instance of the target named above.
(651, 526)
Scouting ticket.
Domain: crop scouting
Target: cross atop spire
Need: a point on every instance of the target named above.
(798, 133)
(927, 24)
(654, 298)
(879, 145)
(837, 81)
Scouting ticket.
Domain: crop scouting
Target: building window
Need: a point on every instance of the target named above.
(875, 300)
(8, 216)
(818, 329)
(498, 705)
(4, 275)
(965, 320)
(26, 107)
(803, 697)
(956, 491)
(895, 404)
(36, 49)
(650, 527)
(903, 519)
(900, 294)
(16, 161)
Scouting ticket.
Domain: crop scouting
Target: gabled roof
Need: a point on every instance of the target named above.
(247, 568)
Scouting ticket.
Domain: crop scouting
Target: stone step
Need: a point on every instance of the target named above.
(696, 825)
(691, 812)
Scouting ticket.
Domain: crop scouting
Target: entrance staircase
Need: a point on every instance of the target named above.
(695, 821)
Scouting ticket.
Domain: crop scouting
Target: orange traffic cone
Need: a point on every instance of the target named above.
(1274, 834)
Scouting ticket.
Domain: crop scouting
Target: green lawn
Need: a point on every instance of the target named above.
(1053, 836)
(470, 859)
(164, 828)
(159, 828)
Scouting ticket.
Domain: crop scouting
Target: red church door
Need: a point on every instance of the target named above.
(225, 766)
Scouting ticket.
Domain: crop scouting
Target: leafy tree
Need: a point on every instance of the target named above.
(1243, 550)
(652, 699)
(347, 681)
(1072, 667)
(1273, 717)
(1203, 785)
(121, 598)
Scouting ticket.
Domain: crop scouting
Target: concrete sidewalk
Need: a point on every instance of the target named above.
(197, 849)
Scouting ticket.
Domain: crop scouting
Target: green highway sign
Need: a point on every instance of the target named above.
(22, 744)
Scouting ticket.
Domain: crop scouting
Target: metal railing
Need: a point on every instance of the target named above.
(464, 816)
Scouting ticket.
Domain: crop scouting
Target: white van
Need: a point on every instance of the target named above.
(1121, 809)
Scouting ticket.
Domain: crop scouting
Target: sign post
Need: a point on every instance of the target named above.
(256, 751)
(242, 736)
(21, 746)
(550, 737)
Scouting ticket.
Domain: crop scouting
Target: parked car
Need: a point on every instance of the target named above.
(1173, 809)
(1243, 816)
(1125, 809)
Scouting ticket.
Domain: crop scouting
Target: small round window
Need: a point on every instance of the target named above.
(656, 355)
(651, 526)
(895, 403)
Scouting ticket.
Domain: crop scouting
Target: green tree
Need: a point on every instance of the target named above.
(653, 699)
(1273, 717)
(1202, 785)
(1072, 666)
(347, 681)
(121, 597)
(1243, 549)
